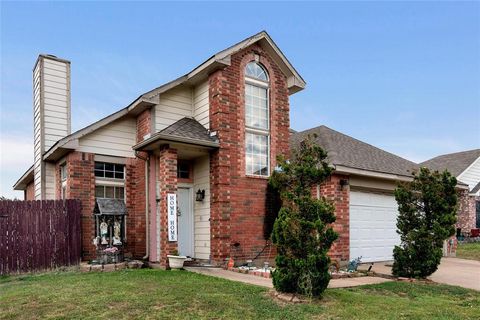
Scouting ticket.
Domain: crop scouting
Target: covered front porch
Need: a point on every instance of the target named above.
(178, 172)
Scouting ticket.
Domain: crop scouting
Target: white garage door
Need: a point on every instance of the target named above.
(373, 219)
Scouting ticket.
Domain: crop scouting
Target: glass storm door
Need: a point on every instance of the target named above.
(185, 222)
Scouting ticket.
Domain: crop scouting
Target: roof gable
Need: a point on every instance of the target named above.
(455, 163)
(221, 59)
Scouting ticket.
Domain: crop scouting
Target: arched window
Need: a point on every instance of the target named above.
(257, 124)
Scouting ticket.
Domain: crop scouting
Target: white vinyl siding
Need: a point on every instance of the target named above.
(471, 175)
(201, 104)
(50, 193)
(56, 101)
(174, 105)
(115, 139)
(51, 101)
(201, 173)
(37, 152)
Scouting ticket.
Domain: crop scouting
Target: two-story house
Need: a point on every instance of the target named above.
(210, 137)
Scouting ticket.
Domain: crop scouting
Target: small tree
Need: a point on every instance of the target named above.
(427, 214)
(302, 231)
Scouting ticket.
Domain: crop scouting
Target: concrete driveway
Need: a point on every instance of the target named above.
(453, 271)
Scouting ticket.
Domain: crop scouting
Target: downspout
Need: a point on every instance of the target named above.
(147, 227)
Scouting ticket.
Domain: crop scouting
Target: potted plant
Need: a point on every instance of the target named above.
(175, 261)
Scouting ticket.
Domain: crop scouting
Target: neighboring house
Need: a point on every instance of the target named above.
(361, 187)
(465, 166)
(213, 133)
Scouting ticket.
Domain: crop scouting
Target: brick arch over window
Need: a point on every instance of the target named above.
(278, 103)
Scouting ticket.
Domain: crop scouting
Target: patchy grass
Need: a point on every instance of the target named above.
(157, 294)
(469, 251)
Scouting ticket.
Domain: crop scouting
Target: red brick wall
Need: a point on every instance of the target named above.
(81, 185)
(167, 178)
(466, 219)
(238, 202)
(136, 192)
(135, 200)
(144, 124)
(333, 191)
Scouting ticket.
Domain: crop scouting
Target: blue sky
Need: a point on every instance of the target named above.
(402, 76)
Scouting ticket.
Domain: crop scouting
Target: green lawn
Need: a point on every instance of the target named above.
(156, 294)
(469, 251)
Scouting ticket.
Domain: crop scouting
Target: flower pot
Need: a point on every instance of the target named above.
(176, 262)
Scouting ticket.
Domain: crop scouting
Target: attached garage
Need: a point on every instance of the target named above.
(373, 218)
(361, 187)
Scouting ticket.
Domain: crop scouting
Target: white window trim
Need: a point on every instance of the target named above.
(114, 185)
(268, 156)
(110, 182)
(112, 179)
(263, 132)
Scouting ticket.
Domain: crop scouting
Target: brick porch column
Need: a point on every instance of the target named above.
(167, 177)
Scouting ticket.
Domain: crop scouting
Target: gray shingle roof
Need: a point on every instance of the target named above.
(110, 207)
(456, 162)
(347, 151)
(189, 128)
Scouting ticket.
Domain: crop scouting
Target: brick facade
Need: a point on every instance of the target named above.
(340, 195)
(167, 178)
(81, 185)
(238, 202)
(466, 219)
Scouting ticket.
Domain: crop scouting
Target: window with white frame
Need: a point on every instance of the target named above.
(257, 124)
(109, 180)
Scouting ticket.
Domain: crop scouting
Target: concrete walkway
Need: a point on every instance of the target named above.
(452, 271)
(264, 282)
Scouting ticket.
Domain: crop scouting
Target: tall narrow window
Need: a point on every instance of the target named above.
(257, 124)
(63, 178)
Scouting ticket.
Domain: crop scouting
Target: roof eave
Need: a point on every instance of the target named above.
(383, 175)
(24, 180)
(371, 173)
(160, 138)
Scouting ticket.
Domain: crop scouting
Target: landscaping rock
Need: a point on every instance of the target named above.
(135, 264)
(120, 266)
(84, 267)
(109, 267)
(96, 267)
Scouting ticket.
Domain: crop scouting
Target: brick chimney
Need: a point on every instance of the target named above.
(51, 107)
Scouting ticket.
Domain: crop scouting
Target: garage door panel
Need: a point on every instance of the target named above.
(372, 226)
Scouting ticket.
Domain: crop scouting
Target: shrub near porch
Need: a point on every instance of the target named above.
(156, 294)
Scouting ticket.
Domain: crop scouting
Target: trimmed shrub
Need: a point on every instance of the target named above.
(302, 231)
(427, 214)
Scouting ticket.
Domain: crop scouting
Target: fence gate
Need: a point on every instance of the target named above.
(39, 235)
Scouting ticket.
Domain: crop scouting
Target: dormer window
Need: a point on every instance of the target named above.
(257, 124)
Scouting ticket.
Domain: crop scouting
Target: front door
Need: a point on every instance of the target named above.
(185, 222)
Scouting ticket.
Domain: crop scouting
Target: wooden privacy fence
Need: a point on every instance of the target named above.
(39, 235)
